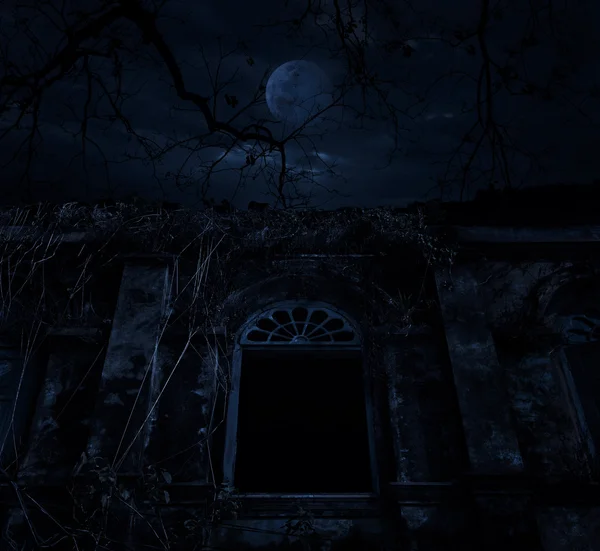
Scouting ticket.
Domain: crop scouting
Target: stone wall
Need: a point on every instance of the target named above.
(468, 407)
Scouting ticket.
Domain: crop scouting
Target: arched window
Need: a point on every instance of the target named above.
(299, 415)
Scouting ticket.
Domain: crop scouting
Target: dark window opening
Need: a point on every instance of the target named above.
(302, 424)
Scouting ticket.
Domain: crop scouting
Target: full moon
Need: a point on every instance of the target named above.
(296, 91)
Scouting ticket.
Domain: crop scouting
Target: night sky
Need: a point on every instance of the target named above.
(394, 141)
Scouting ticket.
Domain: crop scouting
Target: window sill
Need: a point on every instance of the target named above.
(355, 505)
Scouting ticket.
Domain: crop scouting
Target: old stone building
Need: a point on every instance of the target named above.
(421, 379)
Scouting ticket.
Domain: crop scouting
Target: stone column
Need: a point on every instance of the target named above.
(125, 388)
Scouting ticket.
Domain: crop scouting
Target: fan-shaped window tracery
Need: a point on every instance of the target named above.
(311, 325)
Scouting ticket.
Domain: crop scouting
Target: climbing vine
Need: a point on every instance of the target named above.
(55, 262)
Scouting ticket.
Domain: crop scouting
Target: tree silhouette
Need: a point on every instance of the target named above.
(97, 45)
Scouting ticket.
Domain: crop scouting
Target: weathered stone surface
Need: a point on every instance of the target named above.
(123, 403)
(480, 382)
(11, 370)
(545, 430)
(179, 441)
(330, 534)
(425, 421)
(21, 372)
(60, 427)
(570, 529)
(574, 234)
(438, 527)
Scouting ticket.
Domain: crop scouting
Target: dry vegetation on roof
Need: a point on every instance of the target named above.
(154, 228)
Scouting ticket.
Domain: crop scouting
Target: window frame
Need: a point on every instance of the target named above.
(230, 452)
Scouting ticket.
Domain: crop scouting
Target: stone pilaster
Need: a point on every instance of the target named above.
(125, 388)
(491, 441)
